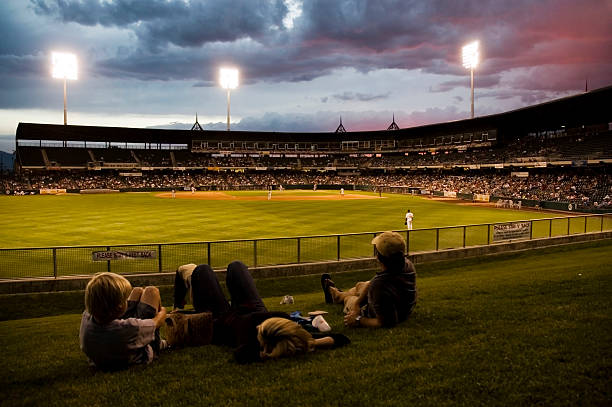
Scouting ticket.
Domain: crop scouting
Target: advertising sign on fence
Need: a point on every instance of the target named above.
(482, 197)
(123, 255)
(52, 191)
(511, 231)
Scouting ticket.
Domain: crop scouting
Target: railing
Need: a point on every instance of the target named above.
(166, 257)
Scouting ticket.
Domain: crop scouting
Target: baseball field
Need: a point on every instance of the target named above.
(114, 221)
(513, 329)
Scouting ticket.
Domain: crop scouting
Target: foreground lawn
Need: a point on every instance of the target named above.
(516, 329)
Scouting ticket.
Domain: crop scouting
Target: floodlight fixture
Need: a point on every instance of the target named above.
(471, 55)
(228, 78)
(64, 66)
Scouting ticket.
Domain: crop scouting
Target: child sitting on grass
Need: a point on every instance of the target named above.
(120, 326)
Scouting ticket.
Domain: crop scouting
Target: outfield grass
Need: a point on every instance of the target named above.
(112, 220)
(515, 329)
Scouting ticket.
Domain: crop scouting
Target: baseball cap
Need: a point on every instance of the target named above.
(389, 243)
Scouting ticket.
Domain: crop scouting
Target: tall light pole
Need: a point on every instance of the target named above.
(470, 61)
(228, 78)
(64, 66)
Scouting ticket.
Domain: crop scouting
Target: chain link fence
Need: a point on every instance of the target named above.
(166, 257)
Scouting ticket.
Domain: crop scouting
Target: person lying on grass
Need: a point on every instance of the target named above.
(245, 323)
(385, 300)
(120, 324)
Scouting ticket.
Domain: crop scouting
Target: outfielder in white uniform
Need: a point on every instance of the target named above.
(409, 216)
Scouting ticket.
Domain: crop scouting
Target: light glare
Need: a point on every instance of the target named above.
(471, 55)
(64, 66)
(228, 78)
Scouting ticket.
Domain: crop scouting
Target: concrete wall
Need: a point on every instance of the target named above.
(73, 283)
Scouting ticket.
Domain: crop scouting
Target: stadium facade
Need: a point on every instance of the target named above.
(568, 138)
(49, 147)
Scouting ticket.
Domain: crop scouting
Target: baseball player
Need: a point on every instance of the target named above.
(409, 216)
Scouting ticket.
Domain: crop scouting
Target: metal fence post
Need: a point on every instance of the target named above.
(298, 249)
(108, 266)
(602, 217)
(254, 253)
(159, 257)
(488, 234)
(531, 229)
(208, 254)
(585, 224)
(464, 227)
(550, 228)
(437, 238)
(407, 242)
(54, 262)
(374, 247)
(338, 244)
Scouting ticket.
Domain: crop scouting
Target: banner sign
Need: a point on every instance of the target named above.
(482, 197)
(519, 174)
(450, 194)
(511, 231)
(123, 255)
(52, 191)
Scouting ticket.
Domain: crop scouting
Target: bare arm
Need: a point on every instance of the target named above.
(351, 320)
(160, 317)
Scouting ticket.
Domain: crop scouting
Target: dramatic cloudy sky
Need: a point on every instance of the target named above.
(303, 63)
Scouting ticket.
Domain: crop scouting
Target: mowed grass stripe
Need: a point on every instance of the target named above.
(531, 328)
(38, 221)
(115, 219)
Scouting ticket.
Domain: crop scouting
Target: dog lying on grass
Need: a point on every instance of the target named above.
(189, 329)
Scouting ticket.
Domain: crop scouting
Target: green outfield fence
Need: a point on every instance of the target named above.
(166, 257)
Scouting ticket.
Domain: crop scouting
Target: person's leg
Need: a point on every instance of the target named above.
(151, 297)
(147, 308)
(206, 291)
(132, 303)
(242, 288)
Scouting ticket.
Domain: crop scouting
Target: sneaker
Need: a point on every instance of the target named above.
(321, 324)
(326, 282)
(287, 299)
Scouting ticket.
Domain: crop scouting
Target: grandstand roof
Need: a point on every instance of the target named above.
(573, 111)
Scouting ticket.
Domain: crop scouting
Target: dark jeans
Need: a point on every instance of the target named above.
(208, 296)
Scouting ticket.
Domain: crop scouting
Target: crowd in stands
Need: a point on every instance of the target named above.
(591, 190)
(528, 148)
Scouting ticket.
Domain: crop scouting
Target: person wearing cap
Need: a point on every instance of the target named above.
(389, 297)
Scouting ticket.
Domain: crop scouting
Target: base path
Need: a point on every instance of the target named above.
(276, 196)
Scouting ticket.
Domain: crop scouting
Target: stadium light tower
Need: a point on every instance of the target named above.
(64, 66)
(228, 78)
(470, 61)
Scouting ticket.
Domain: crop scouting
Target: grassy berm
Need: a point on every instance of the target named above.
(532, 328)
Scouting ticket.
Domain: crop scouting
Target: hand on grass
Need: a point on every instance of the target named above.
(350, 319)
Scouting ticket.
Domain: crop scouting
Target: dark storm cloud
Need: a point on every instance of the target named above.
(161, 22)
(187, 40)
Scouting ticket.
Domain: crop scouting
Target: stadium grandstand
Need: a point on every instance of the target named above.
(559, 151)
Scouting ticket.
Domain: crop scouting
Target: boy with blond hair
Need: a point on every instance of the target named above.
(120, 325)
